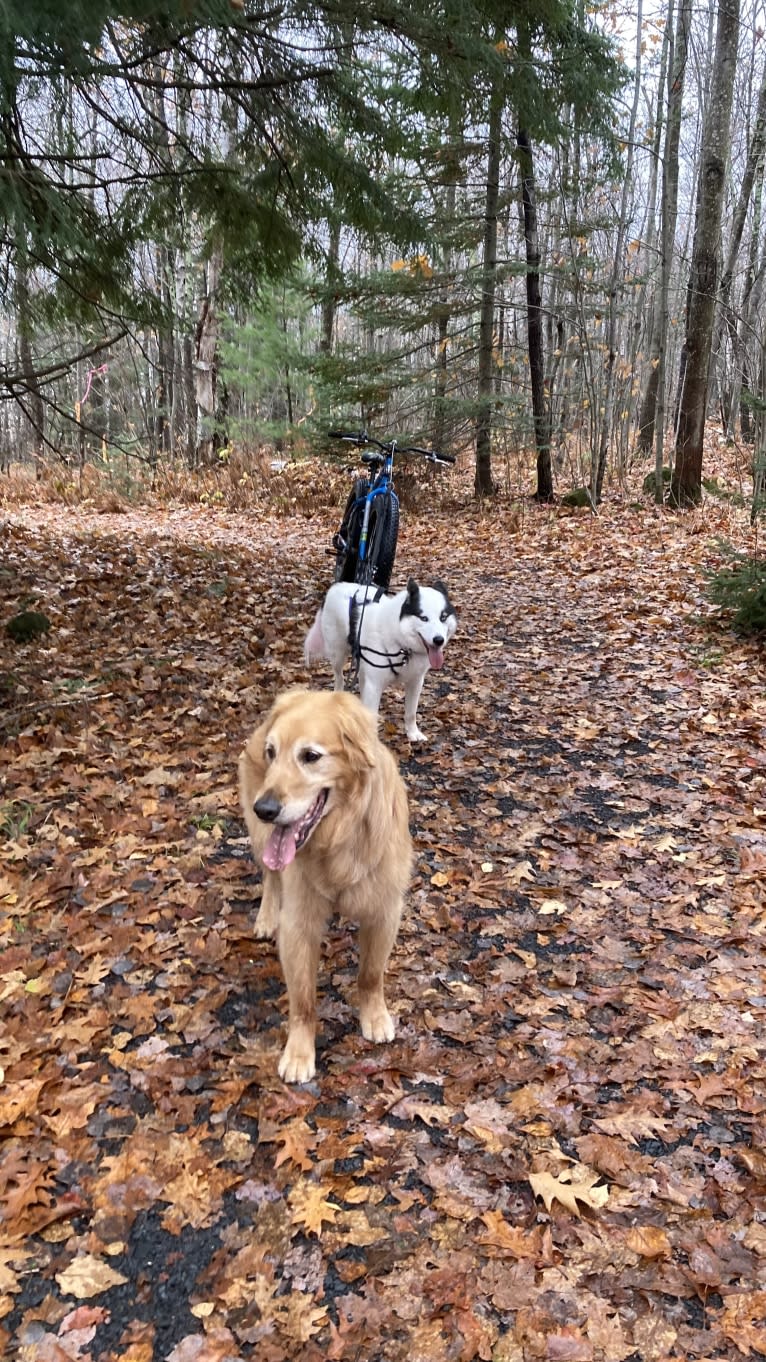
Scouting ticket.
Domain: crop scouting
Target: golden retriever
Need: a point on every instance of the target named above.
(326, 810)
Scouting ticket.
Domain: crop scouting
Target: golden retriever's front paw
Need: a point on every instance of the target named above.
(266, 923)
(297, 1063)
(264, 930)
(378, 1025)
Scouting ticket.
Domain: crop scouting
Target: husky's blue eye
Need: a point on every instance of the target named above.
(308, 756)
(444, 616)
(424, 618)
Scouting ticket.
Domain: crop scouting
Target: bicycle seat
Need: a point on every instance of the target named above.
(373, 459)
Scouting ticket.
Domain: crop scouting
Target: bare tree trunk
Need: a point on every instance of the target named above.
(686, 484)
(749, 308)
(726, 317)
(206, 357)
(163, 387)
(650, 416)
(32, 401)
(646, 346)
(440, 383)
(186, 387)
(445, 308)
(483, 483)
(329, 301)
(540, 407)
(599, 468)
(651, 252)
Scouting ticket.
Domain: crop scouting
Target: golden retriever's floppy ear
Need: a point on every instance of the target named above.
(358, 728)
(251, 761)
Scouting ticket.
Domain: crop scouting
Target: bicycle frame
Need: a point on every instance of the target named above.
(380, 485)
(365, 544)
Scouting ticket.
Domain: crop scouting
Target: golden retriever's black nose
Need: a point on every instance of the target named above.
(267, 808)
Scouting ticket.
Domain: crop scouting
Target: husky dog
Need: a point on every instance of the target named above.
(396, 638)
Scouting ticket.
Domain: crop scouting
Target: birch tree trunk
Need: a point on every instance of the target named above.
(686, 484)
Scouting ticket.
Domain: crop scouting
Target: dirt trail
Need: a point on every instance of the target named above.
(562, 1153)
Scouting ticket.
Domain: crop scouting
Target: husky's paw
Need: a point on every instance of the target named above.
(416, 734)
(297, 1063)
(378, 1024)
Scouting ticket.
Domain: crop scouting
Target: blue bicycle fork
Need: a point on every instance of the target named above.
(376, 492)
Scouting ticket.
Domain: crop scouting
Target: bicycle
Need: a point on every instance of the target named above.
(365, 545)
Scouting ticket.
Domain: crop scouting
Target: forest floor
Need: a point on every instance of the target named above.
(562, 1155)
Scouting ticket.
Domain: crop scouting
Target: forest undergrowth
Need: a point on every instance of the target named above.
(562, 1155)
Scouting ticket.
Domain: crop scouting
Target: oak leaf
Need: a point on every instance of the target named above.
(88, 1276)
(650, 1241)
(20, 1100)
(296, 1138)
(509, 1285)
(12, 1261)
(633, 1125)
(604, 1329)
(755, 1239)
(653, 1337)
(310, 1207)
(742, 1321)
(522, 870)
(430, 1113)
(301, 1317)
(505, 1238)
(567, 1192)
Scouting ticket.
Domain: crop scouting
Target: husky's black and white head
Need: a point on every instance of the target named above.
(428, 620)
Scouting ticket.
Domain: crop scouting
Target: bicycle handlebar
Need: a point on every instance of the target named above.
(433, 455)
(362, 438)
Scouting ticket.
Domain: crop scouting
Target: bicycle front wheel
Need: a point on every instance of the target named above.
(381, 542)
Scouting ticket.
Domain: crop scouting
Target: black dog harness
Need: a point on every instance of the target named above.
(393, 661)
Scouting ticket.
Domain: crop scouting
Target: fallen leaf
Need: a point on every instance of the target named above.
(88, 1276)
(568, 1192)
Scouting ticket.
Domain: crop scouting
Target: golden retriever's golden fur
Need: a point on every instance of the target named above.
(326, 810)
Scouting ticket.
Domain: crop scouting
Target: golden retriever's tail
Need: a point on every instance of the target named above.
(314, 646)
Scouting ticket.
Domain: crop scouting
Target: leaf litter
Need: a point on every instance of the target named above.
(562, 1153)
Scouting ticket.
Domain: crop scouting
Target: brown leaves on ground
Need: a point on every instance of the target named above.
(563, 1153)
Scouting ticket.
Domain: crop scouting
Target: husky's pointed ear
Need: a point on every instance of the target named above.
(411, 602)
(358, 728)
(439, 586)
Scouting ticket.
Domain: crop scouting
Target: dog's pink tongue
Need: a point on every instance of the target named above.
(280, 849)
(435, 657)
